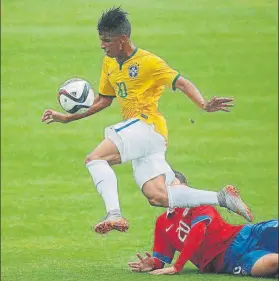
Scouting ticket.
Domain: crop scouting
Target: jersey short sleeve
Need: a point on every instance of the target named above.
(162, 74)
(105, 88)
(203, 214)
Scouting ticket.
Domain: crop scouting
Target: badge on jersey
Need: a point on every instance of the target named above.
(133, 70)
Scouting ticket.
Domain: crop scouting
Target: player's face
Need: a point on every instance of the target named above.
(112, 45)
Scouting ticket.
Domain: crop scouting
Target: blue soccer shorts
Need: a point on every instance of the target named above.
(252, 243)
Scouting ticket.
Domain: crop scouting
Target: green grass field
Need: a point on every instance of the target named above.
(227, 48)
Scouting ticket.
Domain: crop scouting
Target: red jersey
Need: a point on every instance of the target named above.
(199, 233)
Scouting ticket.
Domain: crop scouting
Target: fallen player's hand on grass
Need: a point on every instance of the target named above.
(166, 270)
(144, 264)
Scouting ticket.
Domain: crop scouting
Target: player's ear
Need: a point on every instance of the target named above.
(122, 41)
(123, 38)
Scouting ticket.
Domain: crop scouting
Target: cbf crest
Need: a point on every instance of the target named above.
(133, 70)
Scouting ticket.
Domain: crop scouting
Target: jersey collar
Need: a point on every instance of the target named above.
(121, 64)
(170, 212)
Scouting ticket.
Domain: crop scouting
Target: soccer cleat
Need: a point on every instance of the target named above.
(229, 198)
(113, 220)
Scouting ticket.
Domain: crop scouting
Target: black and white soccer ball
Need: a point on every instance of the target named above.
(76, 95)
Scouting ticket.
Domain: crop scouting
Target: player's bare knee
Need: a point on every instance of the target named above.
(152, 202)
(159, 200)
(114, 159)
(91, 157)
(111, 159)
(87, 159)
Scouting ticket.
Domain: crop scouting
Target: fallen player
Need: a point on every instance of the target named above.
(202, 236)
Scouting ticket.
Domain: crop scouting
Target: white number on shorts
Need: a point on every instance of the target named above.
(237, 270)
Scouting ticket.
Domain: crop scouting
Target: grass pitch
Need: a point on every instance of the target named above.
(227, 48)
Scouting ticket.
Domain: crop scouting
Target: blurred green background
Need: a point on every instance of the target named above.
(48, 202)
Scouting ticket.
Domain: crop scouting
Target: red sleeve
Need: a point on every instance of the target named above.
(163, 251)
(191, 243)
(158, 264)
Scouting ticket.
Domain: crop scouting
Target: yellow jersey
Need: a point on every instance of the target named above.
(138, 84)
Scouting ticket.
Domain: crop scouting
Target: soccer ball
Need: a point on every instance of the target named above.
(76, 95)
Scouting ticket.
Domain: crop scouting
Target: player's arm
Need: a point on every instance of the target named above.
(192, 243)
(214, 104)
(201, 218)
(105, 98)
(163, 252)
(163, 74)
(100, 103)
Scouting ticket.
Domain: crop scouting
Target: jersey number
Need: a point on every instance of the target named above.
(122, 90)
(183, 231)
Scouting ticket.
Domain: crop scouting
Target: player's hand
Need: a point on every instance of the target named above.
(51, 116)
(144, 264)
(216, 104)
(166, 270)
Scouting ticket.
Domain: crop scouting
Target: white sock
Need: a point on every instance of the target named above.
(105, 181)
(181, 196)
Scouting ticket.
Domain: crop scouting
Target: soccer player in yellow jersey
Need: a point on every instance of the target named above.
(137, 79)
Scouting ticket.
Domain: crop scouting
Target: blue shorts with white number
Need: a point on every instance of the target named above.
(252, 242)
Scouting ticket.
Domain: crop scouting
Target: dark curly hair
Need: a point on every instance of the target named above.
(115, 22)
(180, 176)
